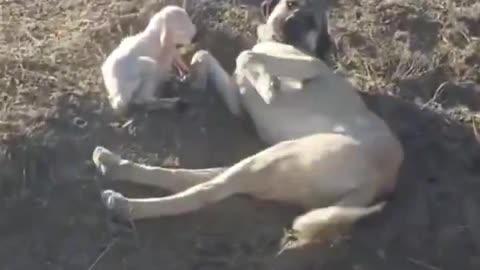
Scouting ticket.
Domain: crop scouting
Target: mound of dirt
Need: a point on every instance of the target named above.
(415, 62)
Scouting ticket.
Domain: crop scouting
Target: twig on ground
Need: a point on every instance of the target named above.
(102, 254)
(475, 129)
(135, 232)
(437, 93)
(30, 35)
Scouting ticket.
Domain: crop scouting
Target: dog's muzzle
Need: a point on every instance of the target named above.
(297, 25)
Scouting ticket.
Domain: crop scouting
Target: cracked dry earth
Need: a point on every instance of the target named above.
(415, 62)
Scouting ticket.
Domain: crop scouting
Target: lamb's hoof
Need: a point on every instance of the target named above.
(105, 161)
(117, 205)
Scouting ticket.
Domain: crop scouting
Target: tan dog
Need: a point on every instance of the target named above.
(329, 153)
(135, 70)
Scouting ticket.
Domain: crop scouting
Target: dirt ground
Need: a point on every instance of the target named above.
(416, 63)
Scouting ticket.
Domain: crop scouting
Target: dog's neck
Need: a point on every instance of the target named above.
(265, 32)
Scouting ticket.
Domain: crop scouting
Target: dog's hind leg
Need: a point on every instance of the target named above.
(226, 184)
(175, 180)
(328, 223)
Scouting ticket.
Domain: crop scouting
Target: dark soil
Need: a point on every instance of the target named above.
(417, 65)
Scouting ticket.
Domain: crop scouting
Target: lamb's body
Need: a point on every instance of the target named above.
(134, 70)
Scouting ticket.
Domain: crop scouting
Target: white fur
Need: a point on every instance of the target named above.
(134, 70)
(329, 153)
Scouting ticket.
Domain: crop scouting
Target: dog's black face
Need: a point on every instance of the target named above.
(300, 26)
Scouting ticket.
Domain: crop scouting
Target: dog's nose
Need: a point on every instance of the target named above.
(303, 16)
(300, 20)
(297, 25)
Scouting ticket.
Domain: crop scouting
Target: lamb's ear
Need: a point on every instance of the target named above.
(164, 36)
(165, 33)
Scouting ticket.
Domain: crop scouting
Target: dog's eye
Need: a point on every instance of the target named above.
(292, 4)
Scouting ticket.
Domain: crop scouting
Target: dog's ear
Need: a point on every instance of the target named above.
(323, 46)
(323, 42)
(268, 6)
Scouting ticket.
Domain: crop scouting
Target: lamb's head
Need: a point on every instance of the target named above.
(301, 23)
(174, 27)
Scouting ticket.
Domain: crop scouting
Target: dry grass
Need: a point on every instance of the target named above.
(50, 49)
(387, 41)
(424, 51)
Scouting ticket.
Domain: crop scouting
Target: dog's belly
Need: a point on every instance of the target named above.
(280, 130)
(294, 124)
(279, 122)
(289, 119)
(312, 171)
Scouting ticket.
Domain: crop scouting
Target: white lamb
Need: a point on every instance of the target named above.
(135, 70)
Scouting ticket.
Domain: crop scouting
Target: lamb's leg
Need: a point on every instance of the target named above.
(182, 68)
(151, 79)
(228, 183)
(175, 180)
(203, 68)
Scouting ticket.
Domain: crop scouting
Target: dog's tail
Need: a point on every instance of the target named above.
(325, 224)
